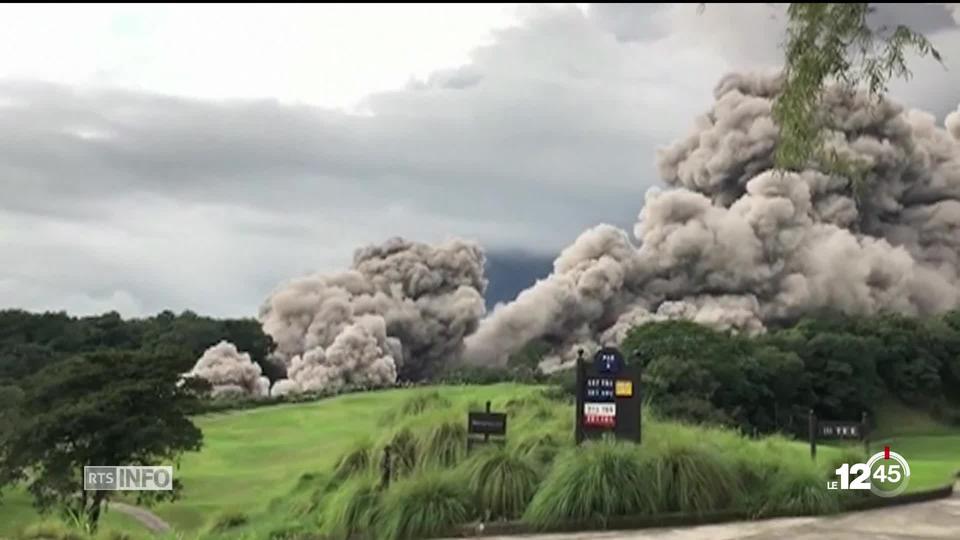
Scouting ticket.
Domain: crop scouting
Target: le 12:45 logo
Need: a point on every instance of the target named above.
(885, 474)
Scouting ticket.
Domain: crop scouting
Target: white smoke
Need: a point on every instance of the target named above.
(738, 246)
(230, 372)
(403, 309)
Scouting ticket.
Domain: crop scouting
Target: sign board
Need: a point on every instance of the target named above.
(600, 414)
(608, 360)
(484, 423)
(608, 397)
(599, 389)
(838, 430)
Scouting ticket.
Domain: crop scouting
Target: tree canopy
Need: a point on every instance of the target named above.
(101, 408)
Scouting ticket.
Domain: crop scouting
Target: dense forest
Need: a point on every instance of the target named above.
(29, 341)
(839, 366)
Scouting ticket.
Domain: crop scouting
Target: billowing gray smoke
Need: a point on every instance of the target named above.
(399, 311)
(736, 245)
(230, 372)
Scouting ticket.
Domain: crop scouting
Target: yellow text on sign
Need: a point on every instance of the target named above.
(624, 389)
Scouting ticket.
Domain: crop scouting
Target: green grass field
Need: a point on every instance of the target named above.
(252, 456)
(255, 456)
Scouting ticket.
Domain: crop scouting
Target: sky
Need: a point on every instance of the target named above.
(196, 156)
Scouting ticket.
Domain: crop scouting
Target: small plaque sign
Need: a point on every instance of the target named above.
(839, 430)
(484, 423)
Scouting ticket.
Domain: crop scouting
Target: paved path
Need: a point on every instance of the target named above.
(147, 518)
(937, 519)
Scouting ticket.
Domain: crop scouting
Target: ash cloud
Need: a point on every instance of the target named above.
(736, 245)
(230, 372)
(401, 310)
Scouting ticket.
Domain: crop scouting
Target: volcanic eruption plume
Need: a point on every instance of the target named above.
(737, 245)
(400, 310)
(731, 243)
(230, 372)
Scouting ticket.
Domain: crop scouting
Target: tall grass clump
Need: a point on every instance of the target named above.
(430, 504)
(797, 488)
(445, 444)
(352, 508)
(229, 520)
(502, 481)
(356, 460)
(416, 404)
(694, 479)
(405, 453)
(540, 447)
(50, 530)
(593, 482)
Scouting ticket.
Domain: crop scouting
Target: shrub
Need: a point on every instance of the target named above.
(416, 404)
(502, 481)
(428, 505)
(404, 452)
(357, 460)
(540, 448)
(593, 482)
(229, 521)
(798, 489)
(694, 479)
(352, 508)
(445, 445)
(49, 531)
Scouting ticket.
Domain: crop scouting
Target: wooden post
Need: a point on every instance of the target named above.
(863, 433)
(386, 468)
(812, 428)
(486, 436)
(578, 414)
(639, 391)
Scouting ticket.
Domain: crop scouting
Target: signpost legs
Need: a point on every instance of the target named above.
(486, 436)
(863, 433)
(812, 427)
(385, 468)
(578, 425)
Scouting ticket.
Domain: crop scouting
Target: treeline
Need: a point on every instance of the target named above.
(838, 366)
(32, 341)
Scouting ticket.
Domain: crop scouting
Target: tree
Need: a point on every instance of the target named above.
(826, 44)
(102, 408)
(833, 43)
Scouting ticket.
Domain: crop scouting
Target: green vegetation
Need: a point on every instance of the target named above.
(298, 468)
(105, 407)
(273, 470)
(833, 43)
(839, 366)
(31, 341)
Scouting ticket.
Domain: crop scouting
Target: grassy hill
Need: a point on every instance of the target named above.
(270, 466)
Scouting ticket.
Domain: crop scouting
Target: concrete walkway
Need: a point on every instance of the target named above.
(928, 520)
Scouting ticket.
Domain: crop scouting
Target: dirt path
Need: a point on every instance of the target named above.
(147, 518)
(932, 520)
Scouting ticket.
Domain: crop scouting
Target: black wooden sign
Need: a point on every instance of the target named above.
(486, 424)
(608, 397)
(837, 430)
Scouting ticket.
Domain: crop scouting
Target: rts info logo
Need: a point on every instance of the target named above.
(885, 474)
